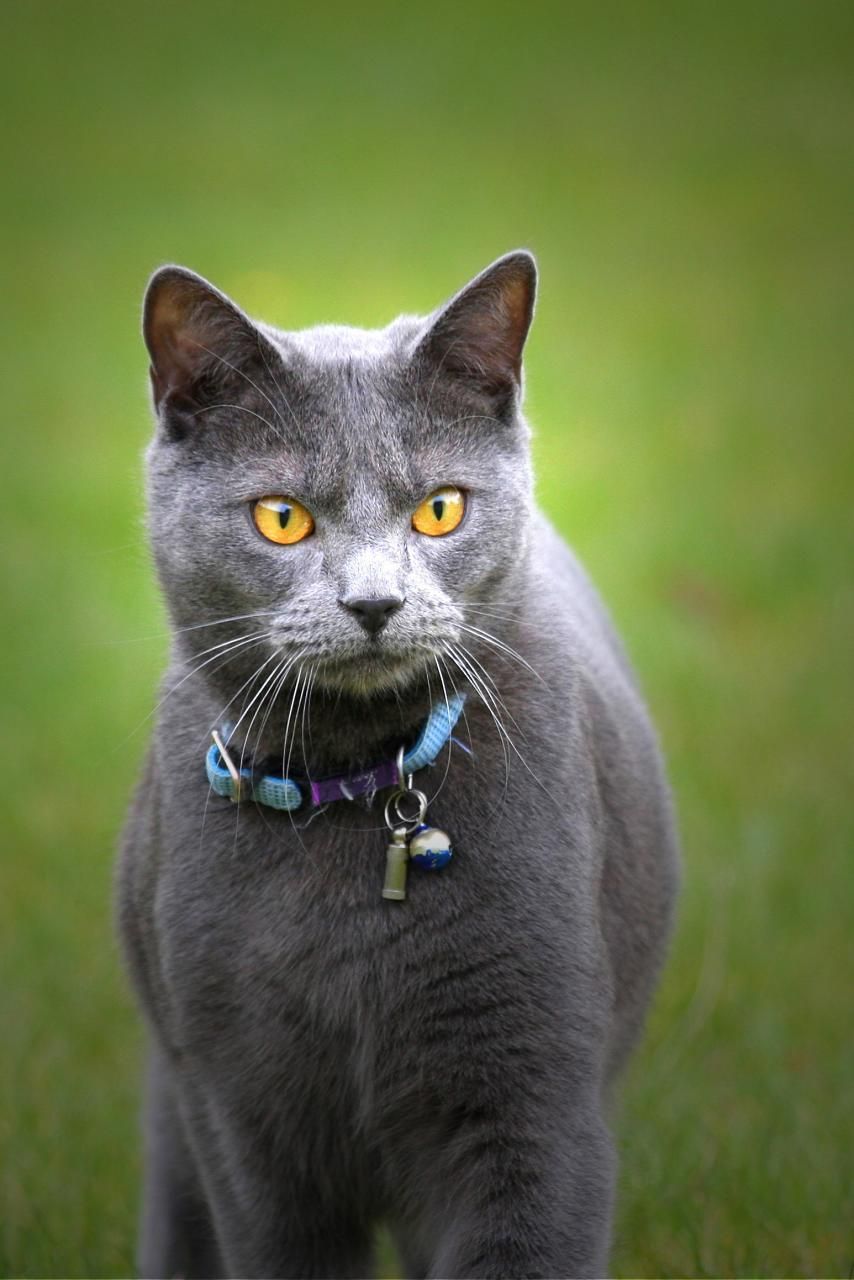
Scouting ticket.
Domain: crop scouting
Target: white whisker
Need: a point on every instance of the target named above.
(487, 697)
(479, 689)
(276, 383)
(256, 701)
(246, 377)
(218, 722)
(479, 666)
(502, 647)
(226, 652)
(448, 744)
(241, 408)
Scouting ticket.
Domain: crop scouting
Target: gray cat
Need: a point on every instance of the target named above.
(343, 526)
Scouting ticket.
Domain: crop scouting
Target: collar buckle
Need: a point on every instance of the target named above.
(241, 790)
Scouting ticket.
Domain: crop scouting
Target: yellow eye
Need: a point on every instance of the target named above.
(441, 512)
(282, 520)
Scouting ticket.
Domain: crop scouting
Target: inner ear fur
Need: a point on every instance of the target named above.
(196, 338)
(480, 334)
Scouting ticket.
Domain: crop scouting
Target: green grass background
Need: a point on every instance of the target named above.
(685, 173)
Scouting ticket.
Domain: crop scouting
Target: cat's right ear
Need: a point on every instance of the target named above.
(197, 339)
(479, 335)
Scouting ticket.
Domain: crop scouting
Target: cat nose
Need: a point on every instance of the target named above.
(373, 612)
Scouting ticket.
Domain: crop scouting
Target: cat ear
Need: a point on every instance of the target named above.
(479, 335)
(197, 339)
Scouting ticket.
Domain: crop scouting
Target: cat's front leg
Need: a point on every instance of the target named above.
(501, 1204)
(176, 1236)
(534, 1207)
(276, 1214)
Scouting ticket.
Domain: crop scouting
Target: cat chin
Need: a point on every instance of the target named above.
(365, 677)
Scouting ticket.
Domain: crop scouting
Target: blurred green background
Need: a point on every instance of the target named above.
(684, 173)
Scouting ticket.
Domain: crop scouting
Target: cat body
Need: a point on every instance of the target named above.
(324, 1059)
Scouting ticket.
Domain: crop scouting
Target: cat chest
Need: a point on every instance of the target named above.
(287, 960)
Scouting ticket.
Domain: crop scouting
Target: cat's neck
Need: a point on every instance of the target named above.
(315, 732)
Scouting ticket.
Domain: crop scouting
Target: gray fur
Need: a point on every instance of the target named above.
(323, 1059)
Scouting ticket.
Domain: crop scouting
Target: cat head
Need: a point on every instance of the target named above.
(347, 497)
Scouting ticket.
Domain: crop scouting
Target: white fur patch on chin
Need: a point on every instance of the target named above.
(363, 676)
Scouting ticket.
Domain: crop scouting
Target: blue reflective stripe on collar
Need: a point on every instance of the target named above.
(284, 793)
(438, 727)
(278, 793)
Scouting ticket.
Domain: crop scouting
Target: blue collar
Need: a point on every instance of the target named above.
(284, 793)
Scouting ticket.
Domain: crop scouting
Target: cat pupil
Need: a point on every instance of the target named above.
(284, 516)
(438, 508)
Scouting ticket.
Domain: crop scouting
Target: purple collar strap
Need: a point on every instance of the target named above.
(284, 793)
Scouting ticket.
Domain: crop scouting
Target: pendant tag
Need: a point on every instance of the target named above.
(396, 859)
(411, 838)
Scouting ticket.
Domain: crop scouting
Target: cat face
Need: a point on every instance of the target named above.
(344, 495)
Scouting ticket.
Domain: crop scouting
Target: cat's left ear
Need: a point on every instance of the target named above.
(479, 335)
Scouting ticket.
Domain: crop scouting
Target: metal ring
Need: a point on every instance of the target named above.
(405, 780)
(393, 815)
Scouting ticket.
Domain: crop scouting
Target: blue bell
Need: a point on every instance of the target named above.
(430, 849)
